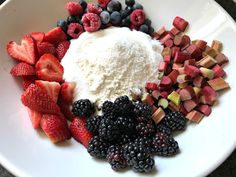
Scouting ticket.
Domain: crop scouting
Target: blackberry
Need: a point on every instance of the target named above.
(124, 106)
(108, 130)
(108, 108)
(144, 127)
(125, 138)
(145, 142)
(142, 110)
(165, 145)
(126, 125)
(175, 121)
(93, 123)
(98, 147)
(115, 157)
(83, 108)
(137, 158)
(163, 129)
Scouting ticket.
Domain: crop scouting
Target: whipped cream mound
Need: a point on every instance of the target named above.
(107, 63)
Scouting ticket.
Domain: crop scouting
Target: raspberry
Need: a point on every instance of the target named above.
(91, 22)
(93, 8)
(103, 3)
(74, 8)
(75, 30)
(137, 17)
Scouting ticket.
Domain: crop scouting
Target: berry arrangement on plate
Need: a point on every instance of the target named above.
(129, 130)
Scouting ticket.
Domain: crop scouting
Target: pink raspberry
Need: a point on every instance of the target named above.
(74, 8)
(91, 22)
(75, 30)
(93, 8)
(103, 3)
(137, 17)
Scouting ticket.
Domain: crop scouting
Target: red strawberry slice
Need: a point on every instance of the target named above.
(37, 36)
(27, 81)
(22, 69)
(62, 49)
(55, 36)
(38, 100)
(80, 132)
(26, 52)
(35, 118)
(67, 91)
(65, 109)
(55, 127)
(49, 68)
(46, 47)
(51, 88)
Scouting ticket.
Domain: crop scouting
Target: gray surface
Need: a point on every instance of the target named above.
(227, 169)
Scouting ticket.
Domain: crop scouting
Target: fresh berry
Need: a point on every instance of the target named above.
(108, 108)
(124, 106)
(98, 147)
(74, 8)
(91, 22)
(92, 124)
(142, 110)
(93, 8)
(55, 36)
(62, 24)
(151, 31)
(115, 18)
(67, 91)
(62, 49)
(65, 109)
(35, 118)
(83, 4)
(75, 30)
(113, 6)
(148, 22)
(26, 52)
(71, 19)
(125, 22)
(125, 138)
(38, 36)
(124, 13)
(145, 142)
(115, 158)
(137, 6)
(105, 17)
(55, 128)
(49, 68)
(38, 100)
(80, 132)
(165, 145)
(163, 129)
(129, 2)
(46, 47)
(137, 17)
(144, 28)
(103, 3)
(126, 125)
(83, 108)
(144, 127)
(22, 69)
(27, 81)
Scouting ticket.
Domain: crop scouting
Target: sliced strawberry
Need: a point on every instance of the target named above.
(49, 68)
(55, 36)
(35, 118)
(22, 69)
(67, 91)
(65, 109)
(51, 88)
(46, 47)
(62, 49)
(55, 127)
(27, 80)
(38, 100)
(37, 36)
(80, 132)
(26, 52)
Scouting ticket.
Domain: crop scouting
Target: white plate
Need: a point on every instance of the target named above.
(26, 152)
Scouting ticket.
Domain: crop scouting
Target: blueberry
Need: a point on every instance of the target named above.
(151, 30)
(114, 6)
(144, 28)
(148, 22)
(115, 18)
(71, 19)
(125, 22)
(124, 13)
(129, 2)
(62, 24)
(137, 6)
(129, 9)
(105, 17)
(78, 20)
(83, 4)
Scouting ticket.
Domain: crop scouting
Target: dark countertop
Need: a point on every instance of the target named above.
(227, 169)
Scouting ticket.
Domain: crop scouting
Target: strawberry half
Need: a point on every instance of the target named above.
(35, 118)
(38, 100)
(37, 36)
(27, 81)
(46, 47)
(62, 49)
(22, 69)
(67, 91)
(65, 109)
(26, 52)
(51, 88)
(80, 132)
(55, 127)
(55, 36)
(49, 68)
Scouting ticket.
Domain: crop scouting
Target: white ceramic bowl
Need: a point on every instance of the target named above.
(26, 152)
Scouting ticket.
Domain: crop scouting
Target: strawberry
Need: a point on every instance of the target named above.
(65, 109)
(55, 127)
(49, 68)
(35, 118)
(80, 132)
(22, 69)
(62, 49)
(46, 47)
(51, 88)
(27, 80)
(37, 36)
(67, 91)
(38, 100)
(26, 52)
(55, 36)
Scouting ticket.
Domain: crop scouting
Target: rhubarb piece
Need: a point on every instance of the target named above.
(210, 51)
(186, 42)
(189, 105)
(183, 78)
(218, 84)
(204, 109)
(221, 59)
(174, 31)
(175, 50)
(167, 59)
(216, 45)
(181, 70)
(176, 66)
(175, 98)
(165, 83)
(154, 108)
(169, 43)
(158, 115)
(173, 107)
(151, 86)
(183, 85)
(207, 62)
(178, 40)
(194, 51)
(161, 75)
(192, 71)
(147, 98)
(162, 66)
(197, 90)
(183, 110)
(209, 95)
(180, 57)
(190, 62)
(173, 76)
(218, 71)
(166, 38)
(156, 94)
(195, 116)
(198, 81)
(163, 103)
(180, 23)
(166, 52)
(136, 93)
(201, 44)
(164, 94)
(161, 31)
(207, 73)
(186, 93)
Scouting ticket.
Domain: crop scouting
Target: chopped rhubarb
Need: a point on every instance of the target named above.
(175, 50)
(216, 45)
(198, 81)
(158, 115)
(194, 51)
(183, 110)
(162, 66)
(176, 66)
(201, 44)
(166, 38)
(204, 109)
(169, 43)
(207, 62)
(182, 85)
(147, 98)
(218, 84)
(207, 73)
(209, 95)
(197, 90)
(164, 94)
(186, 93)
(174, 97)
(180, 57)
(166, 52)
(218, 71)
(178, 40)
(156, 94)
(192, 71)
(163, 103)
(151, 86)
(210, 51)
(195, 116)
(173, 76)
(173, 107)
(190, 62)
(221, 59)
(180, 23)
(165, 83)
(174, 31)
(183, 78)
(189, 105)
(167, 59)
